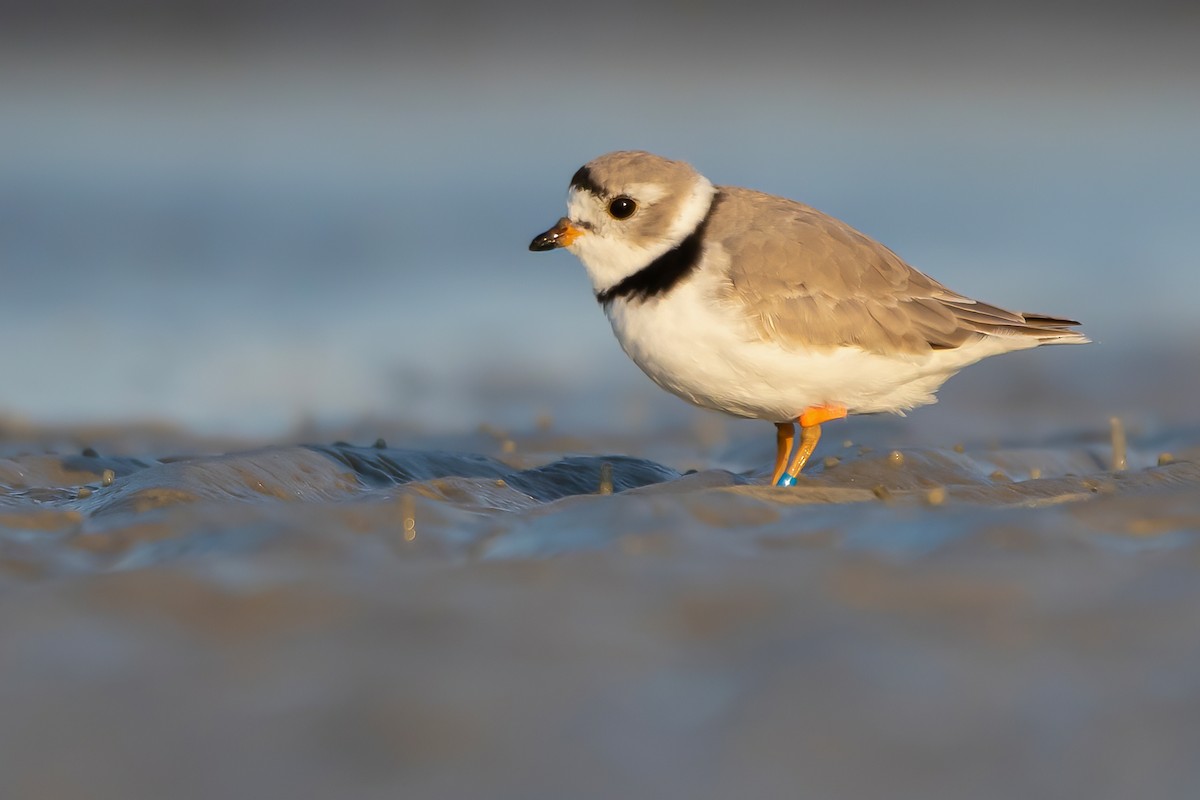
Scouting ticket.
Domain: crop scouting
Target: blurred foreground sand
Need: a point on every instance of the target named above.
(320, 621)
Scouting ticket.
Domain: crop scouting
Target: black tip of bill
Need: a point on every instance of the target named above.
(561, 235)
(544, 241)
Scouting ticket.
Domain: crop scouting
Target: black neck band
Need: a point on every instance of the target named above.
(661, 274)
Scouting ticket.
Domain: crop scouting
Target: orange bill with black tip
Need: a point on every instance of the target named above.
(561, 235)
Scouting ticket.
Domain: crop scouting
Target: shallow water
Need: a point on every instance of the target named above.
(477, 616)
(283, 237)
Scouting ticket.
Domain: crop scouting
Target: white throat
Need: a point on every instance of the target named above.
(610, 259)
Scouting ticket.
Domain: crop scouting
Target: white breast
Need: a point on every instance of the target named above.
(693, 346)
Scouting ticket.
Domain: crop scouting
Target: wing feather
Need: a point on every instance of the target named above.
(805, 279)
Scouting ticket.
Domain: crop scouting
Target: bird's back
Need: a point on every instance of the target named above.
(805, 279)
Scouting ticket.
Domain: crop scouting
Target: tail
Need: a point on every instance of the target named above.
(1051, 330)
(984, 319)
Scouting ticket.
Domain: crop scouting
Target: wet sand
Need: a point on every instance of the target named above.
(526, 614)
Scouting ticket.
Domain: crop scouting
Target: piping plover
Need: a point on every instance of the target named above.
(765, 308)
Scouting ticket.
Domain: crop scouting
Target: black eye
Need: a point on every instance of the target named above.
(622, 207)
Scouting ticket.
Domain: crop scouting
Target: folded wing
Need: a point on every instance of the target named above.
(806, 279)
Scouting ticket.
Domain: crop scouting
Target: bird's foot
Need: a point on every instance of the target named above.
(810, 433)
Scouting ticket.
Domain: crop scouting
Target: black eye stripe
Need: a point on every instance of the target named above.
(622, 207)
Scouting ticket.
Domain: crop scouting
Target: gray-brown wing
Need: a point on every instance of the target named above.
(807, 279)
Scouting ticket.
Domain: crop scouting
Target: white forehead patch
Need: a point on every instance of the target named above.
(582, 207)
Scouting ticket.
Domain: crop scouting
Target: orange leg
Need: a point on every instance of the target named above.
(785, 435)
(810, 433)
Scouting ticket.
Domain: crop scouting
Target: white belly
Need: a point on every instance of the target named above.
(705, 353)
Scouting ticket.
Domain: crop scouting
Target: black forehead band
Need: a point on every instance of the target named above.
(582, 179)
